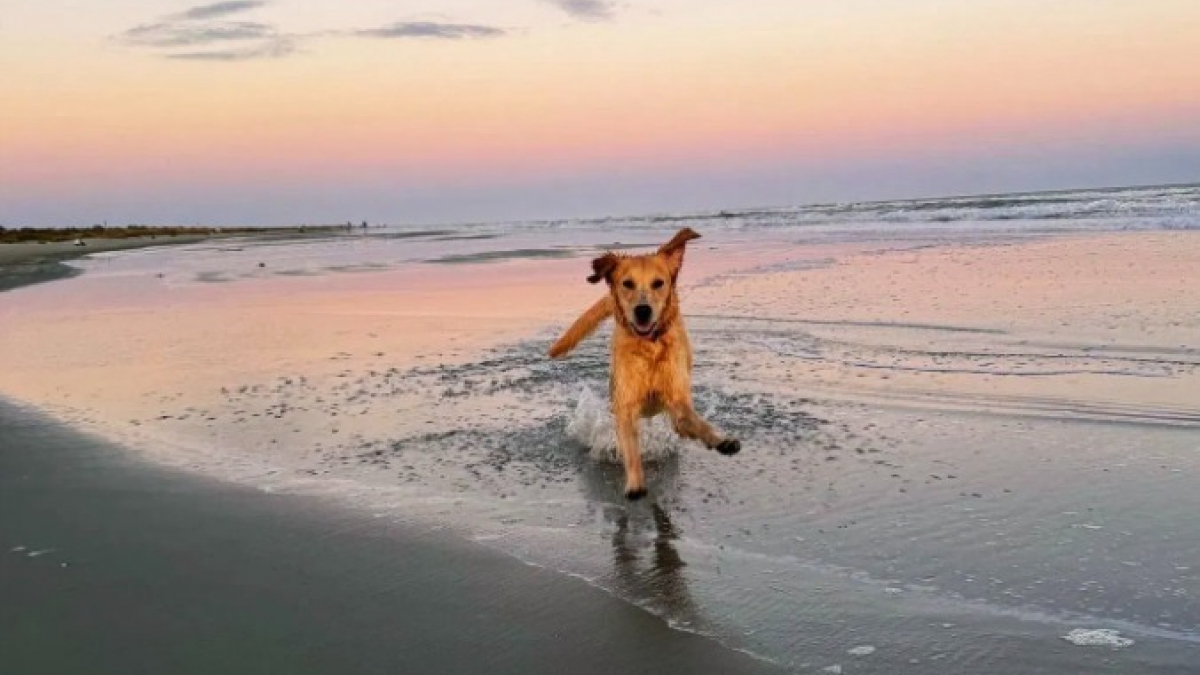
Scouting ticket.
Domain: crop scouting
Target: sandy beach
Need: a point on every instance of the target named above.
(965, 451)
(22, 264)
(279, 283)
(125, 568)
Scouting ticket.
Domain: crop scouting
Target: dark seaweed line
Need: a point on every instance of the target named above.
(1097, 356)
(1090, 355)
(856, 324)
(998, 373)
(1033, 405)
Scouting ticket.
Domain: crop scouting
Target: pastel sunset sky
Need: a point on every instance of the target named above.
(291, 111)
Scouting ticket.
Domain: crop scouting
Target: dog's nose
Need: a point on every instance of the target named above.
(642, 313)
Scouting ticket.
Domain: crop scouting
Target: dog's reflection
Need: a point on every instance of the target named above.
(647, 566)
(653, 573)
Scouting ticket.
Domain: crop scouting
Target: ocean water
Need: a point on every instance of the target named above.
(908, 222)
(943, 495)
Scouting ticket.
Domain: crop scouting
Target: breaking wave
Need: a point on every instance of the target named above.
(1164, 207)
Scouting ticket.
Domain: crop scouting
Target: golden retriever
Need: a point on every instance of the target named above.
(651, 356)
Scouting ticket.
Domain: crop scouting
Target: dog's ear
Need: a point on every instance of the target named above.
(673, 250)
(602, 268)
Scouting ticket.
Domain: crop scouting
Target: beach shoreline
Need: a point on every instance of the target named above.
(24, 263)
(187, 560)
(28, 263)
(109, 564)
(896, 439)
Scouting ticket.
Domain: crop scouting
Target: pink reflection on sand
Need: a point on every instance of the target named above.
(1097, 326)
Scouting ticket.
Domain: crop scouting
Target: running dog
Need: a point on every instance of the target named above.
(651, 369)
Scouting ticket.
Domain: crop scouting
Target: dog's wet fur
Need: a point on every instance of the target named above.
(651, 356)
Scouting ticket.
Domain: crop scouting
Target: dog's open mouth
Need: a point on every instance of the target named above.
(645, 331)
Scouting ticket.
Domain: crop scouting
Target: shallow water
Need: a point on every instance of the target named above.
(962, 452)
(968, 523)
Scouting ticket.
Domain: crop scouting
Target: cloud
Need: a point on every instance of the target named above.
(219, 9)
(277, 48)
(189, 33)
(588, 10)
(210, 36)
(431, 29)
(206, 33)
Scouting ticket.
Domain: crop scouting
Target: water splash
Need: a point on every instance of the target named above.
(592, 425)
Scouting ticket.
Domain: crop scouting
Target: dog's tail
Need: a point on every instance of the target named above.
(584, 326)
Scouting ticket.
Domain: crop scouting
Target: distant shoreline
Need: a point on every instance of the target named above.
(44, 235)
(32, 260)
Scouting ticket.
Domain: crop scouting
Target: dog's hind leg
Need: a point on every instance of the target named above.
(631, 452)
(584, 326)
(690, 425)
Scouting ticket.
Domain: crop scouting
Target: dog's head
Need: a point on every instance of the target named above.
(644, 286)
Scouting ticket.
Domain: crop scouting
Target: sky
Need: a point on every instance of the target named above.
(280, 112)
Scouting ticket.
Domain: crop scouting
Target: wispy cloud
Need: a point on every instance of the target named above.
(188, 33)
(219, 9)
(208, 26)
(431, 29)
(276, 48)
(206, 33)
(588, 10)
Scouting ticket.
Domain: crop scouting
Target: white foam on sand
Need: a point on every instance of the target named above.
(592, 425)
(861, 650)
(1097, 637)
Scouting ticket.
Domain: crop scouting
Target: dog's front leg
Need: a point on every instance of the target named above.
(631, 452)
(690, 425)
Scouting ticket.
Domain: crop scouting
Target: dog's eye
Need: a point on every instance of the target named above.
(628, 283)
(658, 283)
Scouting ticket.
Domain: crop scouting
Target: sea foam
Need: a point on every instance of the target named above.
(1097, 637)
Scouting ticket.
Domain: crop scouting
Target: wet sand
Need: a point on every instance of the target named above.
(27, 263)
(110, 565)
(23, 264)
(957, 455)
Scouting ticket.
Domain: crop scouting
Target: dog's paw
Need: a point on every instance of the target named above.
(635, 493)
(729, 446)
